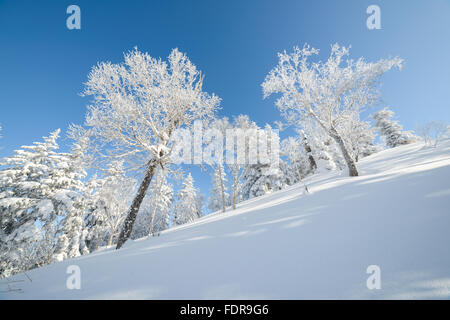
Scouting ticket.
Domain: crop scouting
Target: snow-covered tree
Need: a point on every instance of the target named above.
(434, 131)
(390, 130)
(216, 140)
(137, 107)
(325, 92)
(219, 196)
(297, 164)
(264, 176)
(360, 137)
(242, 126)
(111, 199)
(69, 199)
(308, 150)
(199, 201)
(40, 200)
(154, 215)
(186, 208)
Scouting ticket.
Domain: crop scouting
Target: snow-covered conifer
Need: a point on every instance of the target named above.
(186, 208)
(154, 215)
(390, 130)
(40, 192)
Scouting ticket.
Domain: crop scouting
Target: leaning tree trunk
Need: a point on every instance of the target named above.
(132, 213)
(352, 171)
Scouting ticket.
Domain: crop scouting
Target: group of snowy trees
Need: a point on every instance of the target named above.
(52, 209)
(301, 155)
(42, 204)
(323, 101)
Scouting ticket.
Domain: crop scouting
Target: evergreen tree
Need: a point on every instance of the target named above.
(390, 130)
(111, 200)
(186, 208)
(40, 200)
(154, 215)
(297, 164)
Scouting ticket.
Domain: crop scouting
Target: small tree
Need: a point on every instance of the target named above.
(390, 130)
(112, 198)
(41, 204)
(186, 208)
(325, 92)
(137, 107)
(219, 197)
(360, 138)
(241, 123)
(217, 140)
(297, 163)
(432, 132)
(158, 204)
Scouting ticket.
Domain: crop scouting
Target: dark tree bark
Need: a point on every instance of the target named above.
(134, 209)
(352, 171)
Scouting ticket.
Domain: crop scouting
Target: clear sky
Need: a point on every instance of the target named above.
(43, 64)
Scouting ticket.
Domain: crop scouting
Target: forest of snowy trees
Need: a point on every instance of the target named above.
(118, 180)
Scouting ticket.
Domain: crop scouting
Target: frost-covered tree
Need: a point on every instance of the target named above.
(219, 196)
(186, 208)
(69, 200)
(242, 125)
(432, 132)
(260, 179)
(137, 106)
(325, 92)
(40, 200)
(308, 150)
(199, 200)
(324, 153)
(360, 137)
(111, 199)
(297, 164)
(216, 140)
(264, 176)
(154, 215)
(390, 130)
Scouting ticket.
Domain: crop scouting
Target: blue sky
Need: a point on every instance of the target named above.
(43, 64)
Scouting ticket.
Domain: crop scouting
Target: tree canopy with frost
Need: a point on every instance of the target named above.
(329, 92)
(137, 106)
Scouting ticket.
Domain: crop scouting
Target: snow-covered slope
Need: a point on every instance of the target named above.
(289, 245)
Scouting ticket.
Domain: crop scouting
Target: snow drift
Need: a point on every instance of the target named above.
(289, 244)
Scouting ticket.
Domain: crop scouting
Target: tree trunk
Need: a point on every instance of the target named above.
(132, 212)
(152, 226)
(222, 189)
(235, 186)
(352, 171)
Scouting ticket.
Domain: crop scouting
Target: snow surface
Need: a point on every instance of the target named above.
(288, 245)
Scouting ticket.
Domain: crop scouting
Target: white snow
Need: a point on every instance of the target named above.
(288, 245)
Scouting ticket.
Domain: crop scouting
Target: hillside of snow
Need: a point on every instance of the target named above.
(289, 244)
